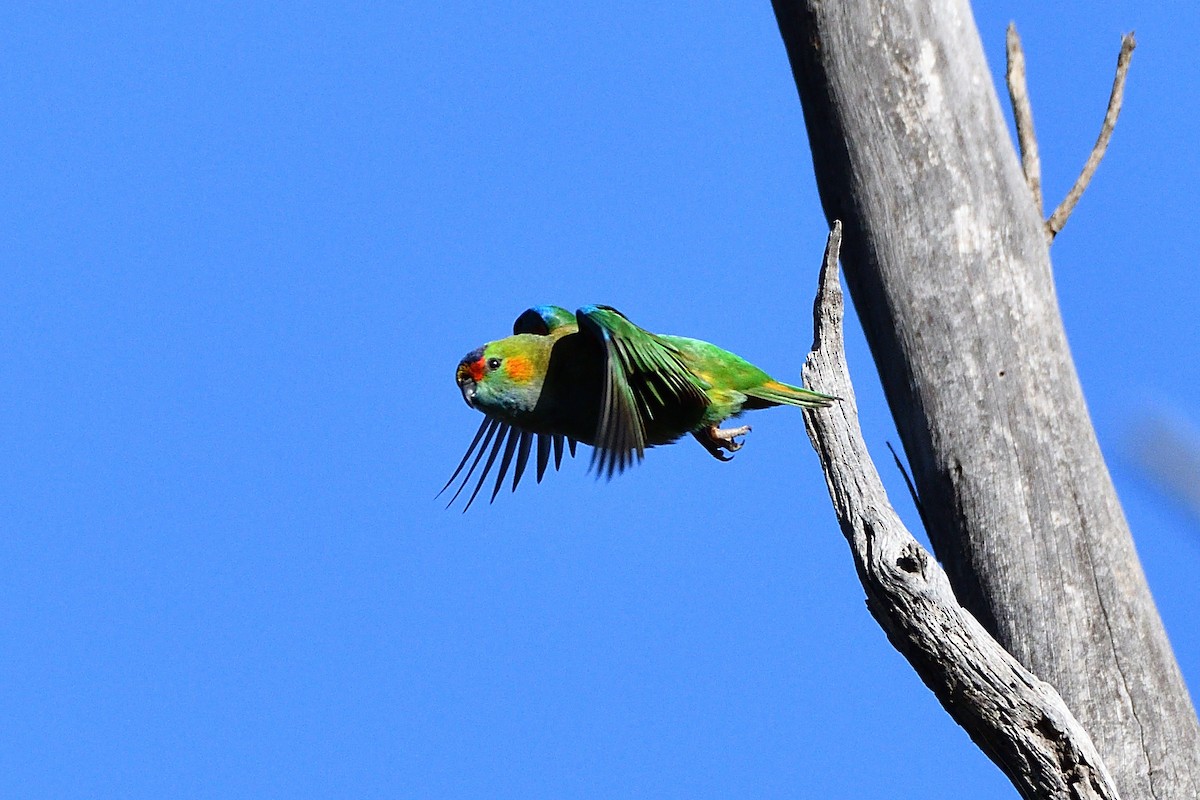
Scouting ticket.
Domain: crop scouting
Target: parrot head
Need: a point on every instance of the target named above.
(502, 378)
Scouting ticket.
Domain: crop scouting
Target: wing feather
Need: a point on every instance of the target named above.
(646, 384)
(543, 454)
(491, 426)
(514, 436)
(498, 435)
(491, 460)
(522, 458)
(478, 435)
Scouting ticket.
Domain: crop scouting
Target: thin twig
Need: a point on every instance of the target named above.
(1059, 217)
(1018, 95)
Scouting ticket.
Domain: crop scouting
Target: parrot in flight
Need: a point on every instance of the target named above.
(597, 378)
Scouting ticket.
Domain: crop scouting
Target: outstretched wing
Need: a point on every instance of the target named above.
(543, 320)
(647, 389)
(513, 440)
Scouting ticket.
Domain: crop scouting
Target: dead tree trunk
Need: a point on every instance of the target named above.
(946, 259)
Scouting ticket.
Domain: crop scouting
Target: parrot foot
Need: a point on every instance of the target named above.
(717, 439)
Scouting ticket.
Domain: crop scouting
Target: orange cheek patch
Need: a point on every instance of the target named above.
(519, 368)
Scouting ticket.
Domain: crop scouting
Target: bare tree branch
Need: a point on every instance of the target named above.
(1059, 218)
(947, 262)
(1018, 720)
(1018, 95)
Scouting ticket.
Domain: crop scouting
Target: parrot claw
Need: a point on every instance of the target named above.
(717, 439)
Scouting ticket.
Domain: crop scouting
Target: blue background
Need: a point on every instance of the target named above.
(244, 247)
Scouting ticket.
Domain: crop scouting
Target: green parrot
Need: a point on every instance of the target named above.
(595, 377)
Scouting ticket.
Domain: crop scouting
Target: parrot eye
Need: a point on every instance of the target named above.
(493, 363)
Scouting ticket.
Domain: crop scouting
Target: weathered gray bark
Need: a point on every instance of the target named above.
(1018, 720)
(946, 259)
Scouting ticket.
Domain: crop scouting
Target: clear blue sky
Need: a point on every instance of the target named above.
(243, 249)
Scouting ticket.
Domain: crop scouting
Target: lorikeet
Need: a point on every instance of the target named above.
(595, 377)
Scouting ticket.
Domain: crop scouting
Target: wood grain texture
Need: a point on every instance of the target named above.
(947, 263)
(1019, 721)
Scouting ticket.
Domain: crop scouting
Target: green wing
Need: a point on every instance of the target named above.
(649, 395)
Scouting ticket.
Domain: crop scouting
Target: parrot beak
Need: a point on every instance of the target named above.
(465, 379)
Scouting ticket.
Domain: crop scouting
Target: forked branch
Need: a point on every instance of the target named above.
(1018, 95)
(1020, 721)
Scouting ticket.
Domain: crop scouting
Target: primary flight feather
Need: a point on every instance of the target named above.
(595, 377)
